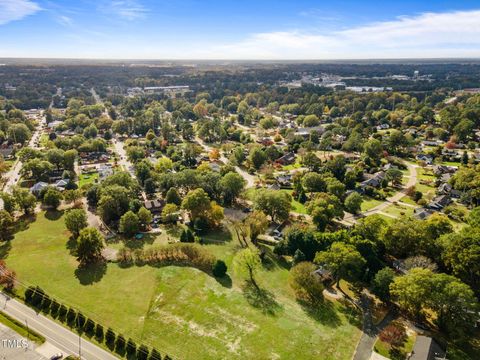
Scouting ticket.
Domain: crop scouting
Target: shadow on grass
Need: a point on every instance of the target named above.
(92, 273)
(71, 245)
(217, 236)
(5, 248)
(23, 222)
(324, 312)
(260, 298)
(270, 261)
(174, 230)
(133, 243)
(352, 313)
(53, 215)
(225, 281)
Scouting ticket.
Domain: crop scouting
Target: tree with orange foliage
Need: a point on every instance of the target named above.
(214, 154)
(7, 277)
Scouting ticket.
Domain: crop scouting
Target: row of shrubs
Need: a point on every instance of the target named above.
(176, 254)
(38, 299)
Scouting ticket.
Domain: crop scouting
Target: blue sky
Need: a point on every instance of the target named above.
(242, 29)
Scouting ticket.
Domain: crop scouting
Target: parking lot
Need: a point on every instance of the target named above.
(12, 347)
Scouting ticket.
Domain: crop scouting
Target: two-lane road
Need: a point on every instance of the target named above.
(14, 174)
(62, 338)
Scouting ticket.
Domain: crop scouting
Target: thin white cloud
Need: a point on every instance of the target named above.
(127, 9)
(451, 34)
(11, 10)
(65, 20)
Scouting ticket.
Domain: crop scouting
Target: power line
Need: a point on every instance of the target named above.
(63, 302)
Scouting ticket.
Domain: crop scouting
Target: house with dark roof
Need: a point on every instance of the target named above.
(287, 159)
(7, 152)
(431, 142)
(375, 181)
(422, 213)
(284, 180)
(389, 166)
(424, 157)
(439, 170)
(61, 184)
(439, 202)
(273, 186)
(38, 187)
(154, 206)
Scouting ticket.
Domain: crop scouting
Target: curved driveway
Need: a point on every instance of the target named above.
(412, 181)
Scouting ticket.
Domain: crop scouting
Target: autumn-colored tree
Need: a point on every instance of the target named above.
(393, 334)
(7, 276)
(214, 154)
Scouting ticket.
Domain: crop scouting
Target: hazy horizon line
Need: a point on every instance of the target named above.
(206, 60)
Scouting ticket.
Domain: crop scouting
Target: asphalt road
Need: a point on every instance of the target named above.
(57, 335)
(14, 174)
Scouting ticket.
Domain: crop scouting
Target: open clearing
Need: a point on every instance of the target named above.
(168, 306)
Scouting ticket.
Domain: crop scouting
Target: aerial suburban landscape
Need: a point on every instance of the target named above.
(269, 201)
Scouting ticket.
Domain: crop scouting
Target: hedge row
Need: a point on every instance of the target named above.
(179, 253)
(38, 299)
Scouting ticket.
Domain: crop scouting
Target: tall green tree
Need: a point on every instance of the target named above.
(75, 221)
(247, 262)
(276, 204)
(232, 185)
(343, 260)
(129, 224)
(6, 225)
(89, 246)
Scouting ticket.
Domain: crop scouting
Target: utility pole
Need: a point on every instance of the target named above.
(79, 340)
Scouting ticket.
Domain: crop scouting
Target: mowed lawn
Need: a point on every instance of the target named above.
(183, 311)
(369, 203)
(85, 179)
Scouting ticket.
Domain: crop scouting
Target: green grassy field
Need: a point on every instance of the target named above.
(293, 166)
(85, 179)
(296, 206)
(408, 200)
(388, 219)
(183, 311)
(424, 174)
(369, 203)
(399, 210)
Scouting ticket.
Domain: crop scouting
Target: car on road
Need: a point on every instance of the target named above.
(57, 356)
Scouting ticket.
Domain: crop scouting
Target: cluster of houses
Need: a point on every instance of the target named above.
(38, 187)
(7, 150)
(171, 91)
(376, 180)
(103, 170)
(445, 192)
(94, 157)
